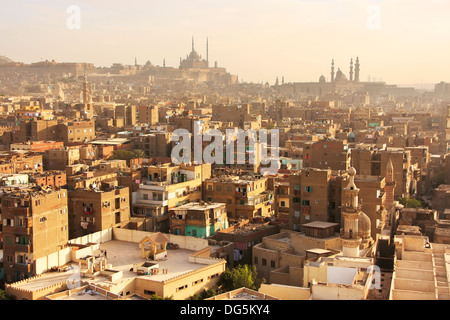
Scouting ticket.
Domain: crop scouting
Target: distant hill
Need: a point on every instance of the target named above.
(4, 59)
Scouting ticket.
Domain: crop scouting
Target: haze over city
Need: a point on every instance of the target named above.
(241, 152)
(404, 42)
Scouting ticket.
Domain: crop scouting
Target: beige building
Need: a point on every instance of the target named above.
(309, 197)
(122, 272)
(35, 224)
(92, 210)
(168, 186)
(246, 197)
(148, 115)
(421, 269)
(279, 258)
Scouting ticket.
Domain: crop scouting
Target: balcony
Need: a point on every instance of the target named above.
(23, 267)
(25, 248)
(349, 235)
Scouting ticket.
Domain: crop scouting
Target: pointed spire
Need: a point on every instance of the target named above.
(389, 171)
(332, 70)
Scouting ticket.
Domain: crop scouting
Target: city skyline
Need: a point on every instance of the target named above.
(402, 43)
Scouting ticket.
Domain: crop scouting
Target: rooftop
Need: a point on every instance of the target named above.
(122, 256)
(199, 206)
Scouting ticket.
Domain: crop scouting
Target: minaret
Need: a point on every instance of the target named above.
(389, 186)
(192, 43)
(351, 211)
(351, 69)
(87, 99)
(207, 50)
(357, 70)
(332, 70)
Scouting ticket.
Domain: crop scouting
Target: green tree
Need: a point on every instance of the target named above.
(238, 277)
(138, 153)
(123, 155)
(410, 202)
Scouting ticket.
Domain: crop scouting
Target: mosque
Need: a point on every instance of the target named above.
(341, 84)
(194, 68)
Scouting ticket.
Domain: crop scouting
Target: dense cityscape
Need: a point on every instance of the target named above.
(337, 188)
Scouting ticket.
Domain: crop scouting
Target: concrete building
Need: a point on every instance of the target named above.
(189, 267)
(93, 210)
(58, 159)
(244, 235)
(168, 186)
(279, 258)
(245, 196)
(420, 270)
(327, 153)
(154, 143)
(148, 115)
(198, 219)
(35, 224)
(309, 197)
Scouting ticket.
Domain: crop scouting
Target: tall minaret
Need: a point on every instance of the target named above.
(207, 50)
(357, 70)
(332, 70)
(87, 99)
(192, 43)
(389, 186)
(351, 211)
(351, 69)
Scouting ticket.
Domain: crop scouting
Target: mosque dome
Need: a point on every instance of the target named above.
(194, 56)
(364, 225)
(322, 79)
(340, 76)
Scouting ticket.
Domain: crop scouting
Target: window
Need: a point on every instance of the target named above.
(149, 292)
(8, 240)
(305, 202)
(283, 204)
(219, 188)
(297, 187)
(264, 262)
(296, 200)
(197, 282)
(308, 189)
(256, 260)
(272, 264)
(296, 214)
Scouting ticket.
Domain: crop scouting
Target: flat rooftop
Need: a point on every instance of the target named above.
(122, 256)
(199, 206)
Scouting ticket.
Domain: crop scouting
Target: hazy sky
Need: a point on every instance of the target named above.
(407, 42)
